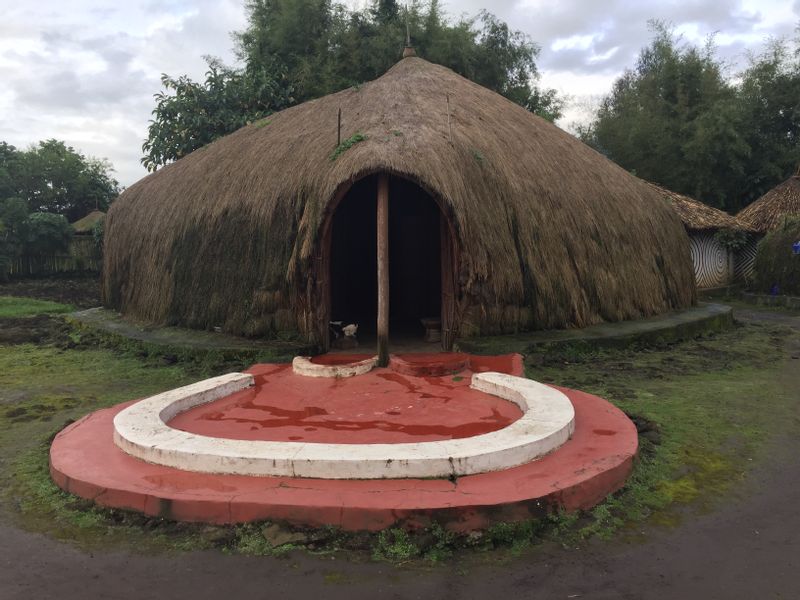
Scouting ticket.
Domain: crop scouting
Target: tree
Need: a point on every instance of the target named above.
(304, 49)
(53, 177)
(679, 120)
(326, 49)
(46, 233)
(9, 169)
(769, 113)
(189, 115)
(13, 232)
(294, 34)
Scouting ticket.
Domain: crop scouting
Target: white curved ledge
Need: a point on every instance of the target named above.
(547, 422)
(302, 365)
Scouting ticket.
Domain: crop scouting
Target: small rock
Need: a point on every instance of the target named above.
(219, 536)
(278, 536)
(473, 537)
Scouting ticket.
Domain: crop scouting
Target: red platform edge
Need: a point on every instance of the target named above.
(595, 462)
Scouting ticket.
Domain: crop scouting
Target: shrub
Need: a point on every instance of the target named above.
(776, 266)
(47, 233)
(98, 232)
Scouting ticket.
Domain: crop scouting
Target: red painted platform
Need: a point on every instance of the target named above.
(379, 407)
(595, 462)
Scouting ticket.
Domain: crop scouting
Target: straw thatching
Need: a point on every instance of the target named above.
(714, 264)
(87, 223)
(769, 211)
(697, 215)
(547, 231)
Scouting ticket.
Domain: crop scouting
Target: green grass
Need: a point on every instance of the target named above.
(14, 307)
(347, 144)
(713, 402)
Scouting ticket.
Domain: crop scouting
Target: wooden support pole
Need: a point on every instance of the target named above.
(383, 270)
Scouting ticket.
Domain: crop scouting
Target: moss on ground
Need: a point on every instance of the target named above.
(704, 409)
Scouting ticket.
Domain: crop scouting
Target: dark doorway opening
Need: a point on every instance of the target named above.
(415, 280)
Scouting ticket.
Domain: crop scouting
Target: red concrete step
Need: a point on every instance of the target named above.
(594, 463)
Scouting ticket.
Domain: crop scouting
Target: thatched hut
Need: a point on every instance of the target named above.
(86, 225)
(766, 214)
(771, 210)
(497, 220)
(714, 263)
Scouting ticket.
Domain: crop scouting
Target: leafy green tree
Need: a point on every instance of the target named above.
(303, 49)
(53, 177)
(769, 102)
(294, 34)
(13, 232)
(670, 117)
(9, 169)
(46, 233)
(40, 190)
(327, 48)
(189, 115)
(678, 119)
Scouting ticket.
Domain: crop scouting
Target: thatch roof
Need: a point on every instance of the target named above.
(87, 223)
(543, 223)
(697, 215)
(769, 211)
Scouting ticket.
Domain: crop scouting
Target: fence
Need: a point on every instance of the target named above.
(82, 255)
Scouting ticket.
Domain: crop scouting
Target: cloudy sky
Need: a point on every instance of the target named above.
(85, 71)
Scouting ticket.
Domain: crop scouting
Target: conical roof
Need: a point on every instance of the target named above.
(698, 215)
(87, 223)
(769, 211)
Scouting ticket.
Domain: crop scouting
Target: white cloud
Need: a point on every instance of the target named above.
(85, 71)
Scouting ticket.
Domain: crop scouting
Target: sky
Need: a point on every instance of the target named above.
(85, 71)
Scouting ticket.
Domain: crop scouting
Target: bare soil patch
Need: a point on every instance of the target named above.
(80, 291)
(40, 329)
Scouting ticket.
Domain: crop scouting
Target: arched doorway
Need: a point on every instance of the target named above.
(420, 252)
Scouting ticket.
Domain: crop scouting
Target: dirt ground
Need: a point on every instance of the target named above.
(746, 548)
(80, 291)
(40, 329)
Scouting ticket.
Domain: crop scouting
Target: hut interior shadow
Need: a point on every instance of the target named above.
(414, 259)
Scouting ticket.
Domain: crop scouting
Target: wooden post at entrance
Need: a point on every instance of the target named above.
(383, 270)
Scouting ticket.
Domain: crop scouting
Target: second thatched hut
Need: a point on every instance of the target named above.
(766, 214)
(714, 262)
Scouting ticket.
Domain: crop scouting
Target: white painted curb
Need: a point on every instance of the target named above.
(302, 365)
(548, 420)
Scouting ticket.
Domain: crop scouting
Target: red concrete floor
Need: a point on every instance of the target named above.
(380, 407)
(594, 463)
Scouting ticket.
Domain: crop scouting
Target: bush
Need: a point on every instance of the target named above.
(47, 233)
(98, 232)
(777, 267)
